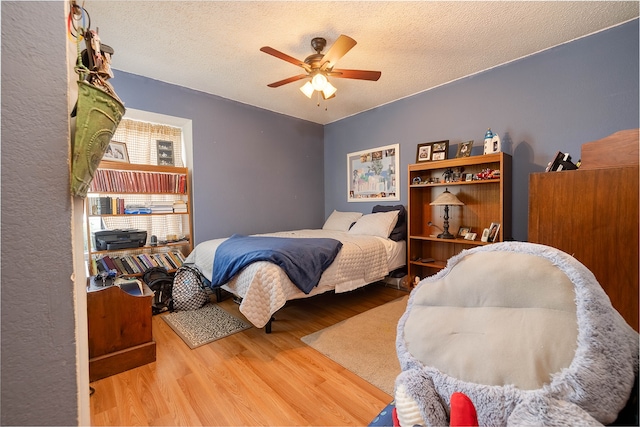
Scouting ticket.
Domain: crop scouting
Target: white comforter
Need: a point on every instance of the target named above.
(265, 288)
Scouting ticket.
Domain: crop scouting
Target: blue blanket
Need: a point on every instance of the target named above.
(303, 259)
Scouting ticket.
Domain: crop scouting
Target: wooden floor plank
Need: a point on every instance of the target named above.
(249, 378)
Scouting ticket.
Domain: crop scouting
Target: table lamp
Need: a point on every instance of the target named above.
(446, 199)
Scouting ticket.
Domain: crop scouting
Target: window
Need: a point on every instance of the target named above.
(141, 139)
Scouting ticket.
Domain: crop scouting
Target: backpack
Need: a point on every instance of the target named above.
(189, 292)
(161, 283)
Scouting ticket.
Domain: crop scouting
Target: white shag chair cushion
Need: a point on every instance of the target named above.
(525, 331)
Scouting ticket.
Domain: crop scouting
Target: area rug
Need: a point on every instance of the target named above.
(365, 344)
(202, 326)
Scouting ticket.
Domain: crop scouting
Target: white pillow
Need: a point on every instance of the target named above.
(376, 224)
(341, 221)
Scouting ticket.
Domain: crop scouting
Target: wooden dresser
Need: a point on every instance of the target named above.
(592, 214)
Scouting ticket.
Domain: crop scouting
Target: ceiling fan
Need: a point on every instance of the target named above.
(320, 66)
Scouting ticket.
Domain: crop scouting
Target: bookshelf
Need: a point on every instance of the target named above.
(486, 201)
(125, 196)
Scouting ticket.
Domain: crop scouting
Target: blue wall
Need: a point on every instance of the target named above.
(552, 101)
(259, 171)
(254, 171)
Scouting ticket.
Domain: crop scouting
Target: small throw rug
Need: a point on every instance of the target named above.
(365, 344)
(204, 325)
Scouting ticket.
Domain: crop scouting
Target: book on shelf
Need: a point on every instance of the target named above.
(120, 266)
(170, 260)
(109, 262)
(180, 206)
(175, 258)
(129, 264)
(106, 205)
(143, 261)
(180, 256)
(161, 206)
(137, 263)
(114, 181)
(136, 209)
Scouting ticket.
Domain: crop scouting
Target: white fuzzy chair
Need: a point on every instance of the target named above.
(525, 331)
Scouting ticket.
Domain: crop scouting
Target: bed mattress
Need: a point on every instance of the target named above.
(265, 288)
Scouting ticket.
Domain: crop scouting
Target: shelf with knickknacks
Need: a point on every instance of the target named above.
(472, 193)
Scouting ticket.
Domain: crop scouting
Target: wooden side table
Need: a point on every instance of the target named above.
(119, 326)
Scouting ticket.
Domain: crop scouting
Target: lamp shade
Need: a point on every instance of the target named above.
(318, 81)
(446, 199)
(307, 89)
(329, 90)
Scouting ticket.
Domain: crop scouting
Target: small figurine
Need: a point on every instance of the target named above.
(448, 175)
(492, 142)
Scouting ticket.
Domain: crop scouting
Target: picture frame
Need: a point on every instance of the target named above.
(494, 231)
(470, 236)
(165, 153)
(431, 151)
(116, 152)
(463, 231)
(464, 149)
(372, 174)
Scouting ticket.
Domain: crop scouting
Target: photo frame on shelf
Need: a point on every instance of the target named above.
(116, 152)
(165, 153)
(464, 149)
(470, 236)
(463, 231)
(494, 229)
(431, 151)
(372, 175)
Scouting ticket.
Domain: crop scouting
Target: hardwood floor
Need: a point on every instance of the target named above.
(249, 378)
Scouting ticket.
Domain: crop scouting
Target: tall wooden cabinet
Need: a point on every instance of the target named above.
(592, 214)
(486, 201)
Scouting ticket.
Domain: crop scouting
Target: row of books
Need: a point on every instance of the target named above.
(106, 205)
(114, 181)
(138, 264)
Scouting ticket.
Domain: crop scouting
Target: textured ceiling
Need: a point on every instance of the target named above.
(213, 46)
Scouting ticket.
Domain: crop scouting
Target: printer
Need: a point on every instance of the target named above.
(119, 239)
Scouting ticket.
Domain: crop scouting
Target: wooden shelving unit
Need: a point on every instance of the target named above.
(128, 181)
(485, 201)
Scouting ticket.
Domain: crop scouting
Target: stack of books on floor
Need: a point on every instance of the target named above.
(138, 264)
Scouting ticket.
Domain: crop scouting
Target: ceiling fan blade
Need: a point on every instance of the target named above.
(289, 80)
(355, 74)
(285, 57)
(337, 51)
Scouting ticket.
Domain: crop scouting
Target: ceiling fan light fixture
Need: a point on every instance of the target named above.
(307, 89)
(319, 81)
(328, 90)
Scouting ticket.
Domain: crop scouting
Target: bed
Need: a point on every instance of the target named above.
(373, 245)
